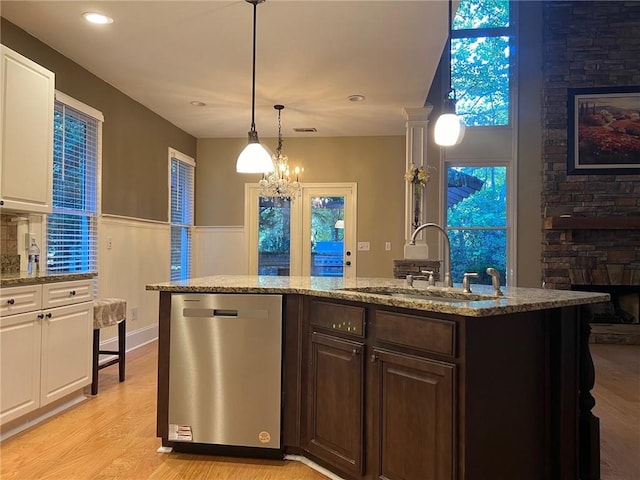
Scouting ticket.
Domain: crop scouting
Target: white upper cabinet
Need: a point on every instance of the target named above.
(26, 134)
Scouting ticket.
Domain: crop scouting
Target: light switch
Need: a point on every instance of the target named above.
(363, 246)
(387, 246)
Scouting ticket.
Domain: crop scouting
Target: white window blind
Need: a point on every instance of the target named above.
(182, 173)
(72, 225)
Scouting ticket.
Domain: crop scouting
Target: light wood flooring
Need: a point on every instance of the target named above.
(112, 436)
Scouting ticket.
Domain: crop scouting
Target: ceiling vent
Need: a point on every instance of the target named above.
(305, 130)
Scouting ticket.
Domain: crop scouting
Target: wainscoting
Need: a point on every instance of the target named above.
(219, 251)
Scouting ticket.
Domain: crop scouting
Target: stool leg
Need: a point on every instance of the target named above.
(96, 354)
(122, 336)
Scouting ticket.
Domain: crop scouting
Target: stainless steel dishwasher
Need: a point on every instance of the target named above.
(225, 369)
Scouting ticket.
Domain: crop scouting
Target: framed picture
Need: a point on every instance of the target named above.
(604, 131)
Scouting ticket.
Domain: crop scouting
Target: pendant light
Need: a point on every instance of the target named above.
(254, 158)
(449, 128)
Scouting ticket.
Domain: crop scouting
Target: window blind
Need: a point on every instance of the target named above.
(72, 225)
(182, 174)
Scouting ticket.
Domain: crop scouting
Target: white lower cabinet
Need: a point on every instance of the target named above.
(46, 353)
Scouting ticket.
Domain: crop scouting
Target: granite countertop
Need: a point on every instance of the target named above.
(369, 290)
(23, 278)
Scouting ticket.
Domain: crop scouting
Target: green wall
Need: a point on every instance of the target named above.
(135, 140)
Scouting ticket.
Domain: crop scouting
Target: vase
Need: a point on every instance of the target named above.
(417, 196)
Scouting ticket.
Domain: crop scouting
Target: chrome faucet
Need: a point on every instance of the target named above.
(447, 260)
(495, 281)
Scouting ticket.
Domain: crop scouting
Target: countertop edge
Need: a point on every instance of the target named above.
(23, 279)
(516, 300)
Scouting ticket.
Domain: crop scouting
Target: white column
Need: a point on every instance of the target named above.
(417, 120)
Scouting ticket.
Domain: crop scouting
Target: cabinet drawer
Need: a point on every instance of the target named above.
(419, 333)
(20, 299)
(66, 293)
(337, 317)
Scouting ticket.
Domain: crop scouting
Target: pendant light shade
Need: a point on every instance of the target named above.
(254, 158)
(449, 128)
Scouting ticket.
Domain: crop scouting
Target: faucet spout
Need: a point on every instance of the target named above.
(447, 254)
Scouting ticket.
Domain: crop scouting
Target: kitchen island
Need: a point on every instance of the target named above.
(381, 380)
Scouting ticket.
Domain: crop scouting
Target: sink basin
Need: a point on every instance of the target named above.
(432, 295)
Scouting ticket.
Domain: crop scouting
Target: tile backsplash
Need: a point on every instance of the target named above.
(8, 235)
(9, 258)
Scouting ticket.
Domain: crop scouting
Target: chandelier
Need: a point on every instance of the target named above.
(282, 182)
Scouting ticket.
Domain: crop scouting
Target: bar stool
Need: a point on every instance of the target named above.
(108, 312)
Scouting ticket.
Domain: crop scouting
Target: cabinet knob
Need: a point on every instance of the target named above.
(355, 352)
(374, 358)
(72, 293)
(48, 315)
(41, 316)
(11, 301)
(347, 263)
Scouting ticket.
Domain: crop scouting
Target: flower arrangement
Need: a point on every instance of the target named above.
(418, 177)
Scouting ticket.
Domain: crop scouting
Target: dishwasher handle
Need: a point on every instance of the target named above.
(210, 312)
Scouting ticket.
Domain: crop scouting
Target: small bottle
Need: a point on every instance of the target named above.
(33, 253)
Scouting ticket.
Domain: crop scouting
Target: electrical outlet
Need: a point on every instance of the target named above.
(363, 246)
(134, 313)
(109, 243)
(387, 246)
(29, 238)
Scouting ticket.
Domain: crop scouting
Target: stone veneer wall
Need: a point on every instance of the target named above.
(587, 44)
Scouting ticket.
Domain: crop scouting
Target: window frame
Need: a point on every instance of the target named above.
(189, 162)
(92, 246)
(510, 32)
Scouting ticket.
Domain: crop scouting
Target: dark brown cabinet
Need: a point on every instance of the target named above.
(336, 402)
(413, 417)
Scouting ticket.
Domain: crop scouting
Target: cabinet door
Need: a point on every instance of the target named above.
(413, 403)
(336, 402)
(19, 365)
(26, 147)
(67, 334)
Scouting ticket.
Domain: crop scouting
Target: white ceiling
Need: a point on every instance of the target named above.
(311, 55)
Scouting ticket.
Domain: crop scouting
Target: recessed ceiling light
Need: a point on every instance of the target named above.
(197, 103)
(97, 18)
(356, 98)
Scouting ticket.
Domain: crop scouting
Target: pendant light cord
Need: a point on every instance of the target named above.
(253, 80)
(449, 54)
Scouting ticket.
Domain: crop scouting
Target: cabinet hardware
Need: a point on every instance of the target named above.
(374, 358)
(72, 293)
(11, 301)
(348, 263)
(41, 316)
(48, 315)
(355, 352)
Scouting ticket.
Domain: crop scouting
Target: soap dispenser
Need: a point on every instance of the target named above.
(33, 255)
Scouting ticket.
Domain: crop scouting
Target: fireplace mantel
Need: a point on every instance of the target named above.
(592, 223)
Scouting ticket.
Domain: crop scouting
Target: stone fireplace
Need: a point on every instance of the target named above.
(591, 236)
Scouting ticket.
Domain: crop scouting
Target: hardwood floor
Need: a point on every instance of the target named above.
(112, 436)
(617, 394)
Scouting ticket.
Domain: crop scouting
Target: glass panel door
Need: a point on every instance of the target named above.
(328, 231)
(274, 237)
(327, 237)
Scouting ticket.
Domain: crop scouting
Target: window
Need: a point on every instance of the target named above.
(481, 50)
(181, 214)
(72, 225)
(477, 220)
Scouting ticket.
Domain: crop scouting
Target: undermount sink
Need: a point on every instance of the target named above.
(433, 295)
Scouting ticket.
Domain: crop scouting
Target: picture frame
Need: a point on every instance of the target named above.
(603, 134)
